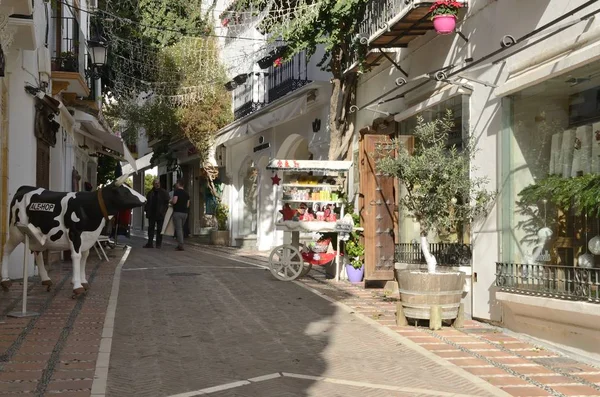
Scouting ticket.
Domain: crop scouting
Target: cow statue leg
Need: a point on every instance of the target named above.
(13, 241)
(39, 261)
(84, 258)
(76, 262)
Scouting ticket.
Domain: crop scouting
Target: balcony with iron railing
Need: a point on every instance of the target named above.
(68, 54)
(256, 90)
(550, 281)
(288, 76)
(394, 23)
(66, 49)
(446, 254)
(250, 95)
(391, 24)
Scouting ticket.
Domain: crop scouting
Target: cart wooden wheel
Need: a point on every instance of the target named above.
(286, 263)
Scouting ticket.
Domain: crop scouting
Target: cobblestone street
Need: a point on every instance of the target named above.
(213, 321)
(196, 322)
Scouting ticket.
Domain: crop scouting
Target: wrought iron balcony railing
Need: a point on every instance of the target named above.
(288, 77)
(446, 254)
(66, 50)
(249, 96)
(258, 89)
(560, 282)
(246, 109)
(378, 14)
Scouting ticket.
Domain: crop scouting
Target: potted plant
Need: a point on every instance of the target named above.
(440, 193)
(444, 14)
(221, 235)
(270, 58)
(355, 266)
(69, 61)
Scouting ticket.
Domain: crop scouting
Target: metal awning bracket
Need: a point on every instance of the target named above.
(469, 57)
(394, 63)
(484, 83)
(462, 36)
(378, 111)
(355, 108)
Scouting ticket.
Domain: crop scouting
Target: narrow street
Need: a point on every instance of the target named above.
(201, 322)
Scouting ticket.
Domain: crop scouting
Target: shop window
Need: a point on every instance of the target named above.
(551, 148)
(248, 204)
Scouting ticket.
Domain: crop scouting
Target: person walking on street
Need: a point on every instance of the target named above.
(181, 205)
(156, 207)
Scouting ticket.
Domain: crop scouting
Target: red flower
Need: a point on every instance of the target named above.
(278, 62)
(445, 7)
(225, 22)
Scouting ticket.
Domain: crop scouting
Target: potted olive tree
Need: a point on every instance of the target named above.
(221, 235)
(440, 193)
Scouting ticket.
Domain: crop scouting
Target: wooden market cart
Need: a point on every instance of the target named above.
(310, 192)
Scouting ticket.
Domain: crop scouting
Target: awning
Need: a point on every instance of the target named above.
(66, 120)
(265, 121)
(309, 165)
(141, 164)
(108, 140)
(269, 116)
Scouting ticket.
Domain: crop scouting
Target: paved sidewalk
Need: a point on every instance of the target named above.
(201, 322)
(209, 321)
(54, 353)
(518, 367)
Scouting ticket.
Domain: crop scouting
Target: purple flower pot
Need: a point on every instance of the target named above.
(355, 275)
(444, 24)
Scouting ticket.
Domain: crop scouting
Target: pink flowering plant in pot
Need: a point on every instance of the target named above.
(444, 13)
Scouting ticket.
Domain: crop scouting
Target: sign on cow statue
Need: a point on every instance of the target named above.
(65, 221)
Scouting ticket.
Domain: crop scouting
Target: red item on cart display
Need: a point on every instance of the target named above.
(324, 259)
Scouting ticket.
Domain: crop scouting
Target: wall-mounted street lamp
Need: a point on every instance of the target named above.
(98, 52)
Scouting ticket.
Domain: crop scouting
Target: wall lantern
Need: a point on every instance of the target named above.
(316, 125)
(98, 52)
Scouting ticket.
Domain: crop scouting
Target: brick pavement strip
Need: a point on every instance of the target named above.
(188, 321)
(54, 353)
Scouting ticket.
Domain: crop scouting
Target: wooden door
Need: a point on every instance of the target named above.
(377, 211)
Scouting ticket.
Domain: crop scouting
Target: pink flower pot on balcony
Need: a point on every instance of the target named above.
(444, 24)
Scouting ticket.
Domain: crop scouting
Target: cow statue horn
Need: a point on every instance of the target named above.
(121, 179)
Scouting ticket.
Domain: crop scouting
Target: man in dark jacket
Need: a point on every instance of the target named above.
(156, 207)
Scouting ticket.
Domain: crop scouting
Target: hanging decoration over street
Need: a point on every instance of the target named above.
(276, 179)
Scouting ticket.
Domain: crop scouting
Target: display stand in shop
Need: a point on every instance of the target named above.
(311, 203)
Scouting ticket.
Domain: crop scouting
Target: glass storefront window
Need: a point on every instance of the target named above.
(551, 137)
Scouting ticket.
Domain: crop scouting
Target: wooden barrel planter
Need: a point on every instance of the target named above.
(420, 291)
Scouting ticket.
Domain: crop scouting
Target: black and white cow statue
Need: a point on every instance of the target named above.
(65, 222)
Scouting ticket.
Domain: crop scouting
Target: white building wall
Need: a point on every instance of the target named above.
(485, 25)
(240, 153)
(22, 70)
